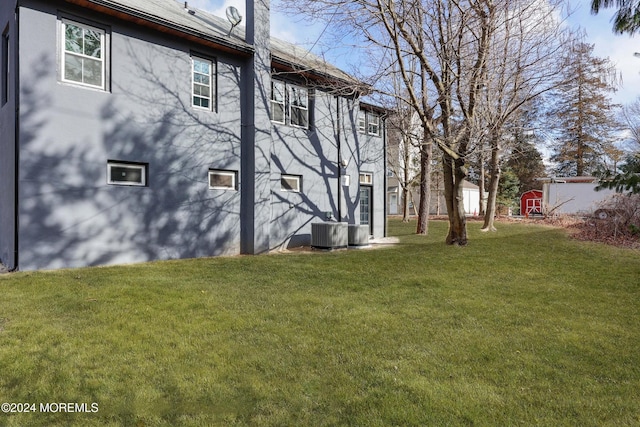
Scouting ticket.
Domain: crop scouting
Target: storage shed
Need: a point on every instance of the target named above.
(531, 202)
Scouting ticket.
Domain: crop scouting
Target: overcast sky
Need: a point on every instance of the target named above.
(619, 49)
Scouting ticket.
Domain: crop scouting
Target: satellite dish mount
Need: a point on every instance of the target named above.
(234, 18)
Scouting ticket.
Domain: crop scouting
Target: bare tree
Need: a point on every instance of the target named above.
(523, 63)
(466, 66)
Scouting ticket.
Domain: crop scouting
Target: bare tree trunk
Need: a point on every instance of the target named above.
(482, 203)
(426, 150)
(493, 186)
(454, 175)
(405, 204)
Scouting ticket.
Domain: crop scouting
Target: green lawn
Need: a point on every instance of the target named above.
(522, 327)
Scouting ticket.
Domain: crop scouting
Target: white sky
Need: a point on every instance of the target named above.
(618, 48)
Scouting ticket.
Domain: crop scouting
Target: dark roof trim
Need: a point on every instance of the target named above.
(164, 26)
(373, 108)
(323, 80)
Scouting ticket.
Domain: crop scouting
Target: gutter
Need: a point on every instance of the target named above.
(384, 172)
(157, 23)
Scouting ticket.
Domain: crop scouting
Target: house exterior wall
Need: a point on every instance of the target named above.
(311, 154)
(70, 216)
(368, 154)
(9, 32)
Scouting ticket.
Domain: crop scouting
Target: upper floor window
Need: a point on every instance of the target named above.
(373, 124)
(83, 52)
(277, 101)
(362, 122)
(202, 84)
(299, 106)
(368, 123)
(289, 104)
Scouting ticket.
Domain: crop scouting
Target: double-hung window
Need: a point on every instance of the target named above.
(368, 123)
(202, 85)
(278, 101)
(299, 106)
(373, 124)
(362, 121)
(289, 104)
(83, 54)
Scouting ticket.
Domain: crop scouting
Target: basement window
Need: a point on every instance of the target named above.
(127, 173)
(222, 179)
(292, 183)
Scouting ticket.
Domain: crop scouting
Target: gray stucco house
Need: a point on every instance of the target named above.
(136, 130)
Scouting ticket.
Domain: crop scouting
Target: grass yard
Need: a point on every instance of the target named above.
(522, 327)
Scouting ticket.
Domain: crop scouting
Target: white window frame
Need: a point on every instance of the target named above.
(366, 178)
(142, 167)
(373, 122)
(297, 179)
(292, 89)
(362, 121)
(211, 75)
(287, 105)
(82, 56)
(368, 123)
(221, 172)
(276, 102)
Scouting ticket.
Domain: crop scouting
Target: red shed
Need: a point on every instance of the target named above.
(531, 202)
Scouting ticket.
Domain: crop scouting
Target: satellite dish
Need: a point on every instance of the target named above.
(234, 17)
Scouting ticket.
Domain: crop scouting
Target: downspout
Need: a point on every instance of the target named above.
(16, 95)
(339, 162)
(384, 174)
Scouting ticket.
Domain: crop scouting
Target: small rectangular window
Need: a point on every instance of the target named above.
(277, 101)
(222, 179)
(83, 54)
(202, 84)
(124, 173)
(6, 66)
(299, 106)
(366, 178)
(373, 124)
(291, 183)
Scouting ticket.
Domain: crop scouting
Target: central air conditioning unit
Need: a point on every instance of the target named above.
(358, 235)
(329, 235)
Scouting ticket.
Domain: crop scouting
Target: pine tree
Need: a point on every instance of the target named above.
(583, 113)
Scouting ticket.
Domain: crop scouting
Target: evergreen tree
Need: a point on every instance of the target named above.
(583, 112)
(508, 189)
(526, 163)
(626, 19)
